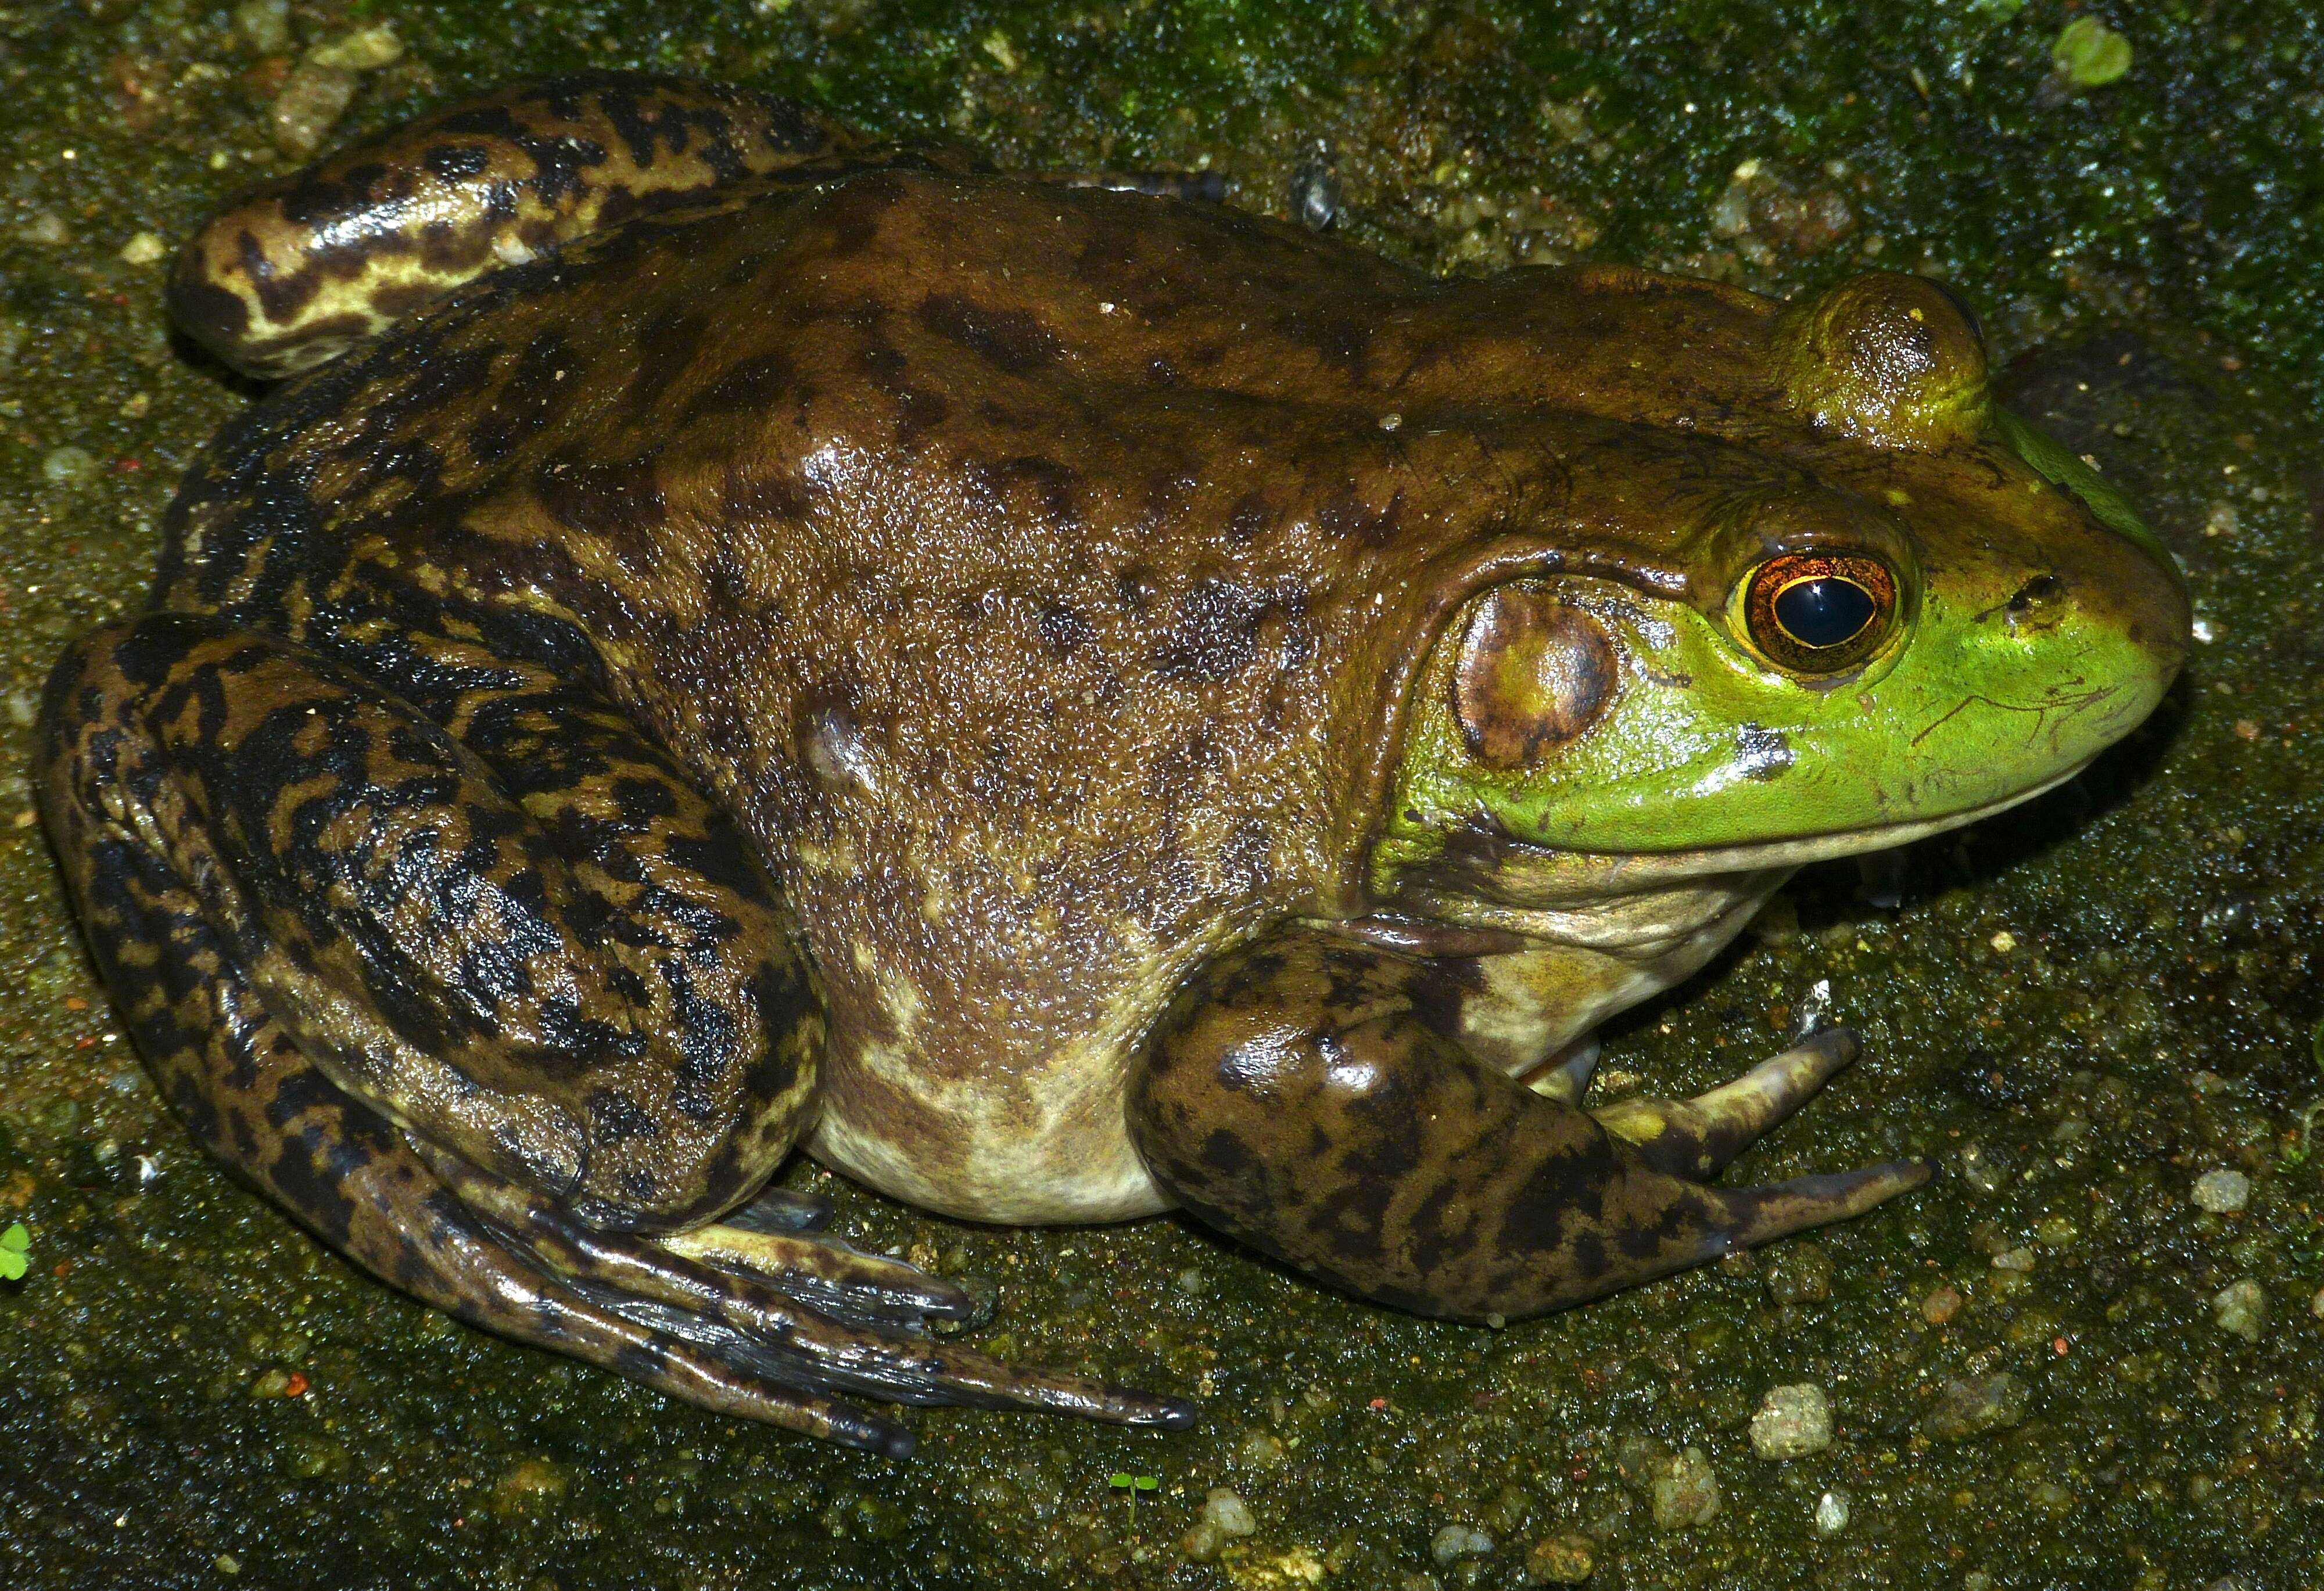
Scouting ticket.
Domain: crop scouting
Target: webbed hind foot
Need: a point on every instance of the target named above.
(779, 1322)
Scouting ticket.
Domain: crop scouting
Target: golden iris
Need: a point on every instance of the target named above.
(1818, 612)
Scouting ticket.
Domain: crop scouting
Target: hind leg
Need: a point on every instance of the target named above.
(495, 1003)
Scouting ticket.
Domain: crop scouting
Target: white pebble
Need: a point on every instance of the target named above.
(1831, 1514)
(1459, 1540)
(64, 466)
(364, 50)
(1228, 1514)
(2222, 1192)
(1687, 1493)
(2241, 1308)
(1792, 1422)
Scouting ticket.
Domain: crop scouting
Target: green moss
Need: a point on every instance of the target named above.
(2151, 1017)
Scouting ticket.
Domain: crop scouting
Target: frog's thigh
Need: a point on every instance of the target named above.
(254, 1101)
(119, 799)
(569, 973)
(565, 984)
(1294, 1097)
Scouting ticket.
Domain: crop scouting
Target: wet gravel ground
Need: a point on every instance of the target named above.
(2087, 1355)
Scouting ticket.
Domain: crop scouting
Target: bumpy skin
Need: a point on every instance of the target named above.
(299, 272)
(981, 678)
(1311, 1093)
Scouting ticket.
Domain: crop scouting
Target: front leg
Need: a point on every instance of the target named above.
(1303, 1095)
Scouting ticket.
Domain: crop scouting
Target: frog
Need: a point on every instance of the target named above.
(720, 636)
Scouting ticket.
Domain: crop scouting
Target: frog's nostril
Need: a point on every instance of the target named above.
(2036, 592)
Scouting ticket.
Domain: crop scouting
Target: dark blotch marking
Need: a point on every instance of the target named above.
(1350, 518)
(1062, 629)
(1011, 340)
(1763, 754)
(2041, 588)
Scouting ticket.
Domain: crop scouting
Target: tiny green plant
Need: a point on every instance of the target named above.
(1120, 1481)
(15, 1252)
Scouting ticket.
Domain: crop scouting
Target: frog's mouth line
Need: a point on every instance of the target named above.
(1629, 903)
(1622, 871)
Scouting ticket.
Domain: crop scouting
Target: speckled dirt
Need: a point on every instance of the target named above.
(2081, 1010)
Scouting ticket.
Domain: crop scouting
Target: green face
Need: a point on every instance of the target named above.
(1928, 612)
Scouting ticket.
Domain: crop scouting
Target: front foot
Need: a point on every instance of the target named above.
(767, 1325)
(1303, 1095)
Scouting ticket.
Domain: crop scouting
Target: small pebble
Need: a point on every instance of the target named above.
(1562, 1561)
(2241, 1308)
(2222, 1192)
(1639, 1459)
(1831, 1512)
(1792, 1422)
(2049, 1495)
(1969, 1406)
(1940, 1306)
(316, 1457)
(2316, 1304)
(1981, 1168)
(67, 465)
(1457, 1542)
(144, 249)
(265, 25)
(530, 1486)
(1225, 1509)
(1687, 1493)
(312, 100)
(1261, 1450)
(1202, 1544)
(2013, 1259)
(363, 51)
(1799, 1273)
(1315, 197)
(319, 89)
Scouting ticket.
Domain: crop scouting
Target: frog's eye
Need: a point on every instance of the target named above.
(1819, 613)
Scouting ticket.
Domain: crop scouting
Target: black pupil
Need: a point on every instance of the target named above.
(1824, 611)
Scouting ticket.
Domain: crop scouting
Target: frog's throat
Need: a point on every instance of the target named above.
(1629, 903)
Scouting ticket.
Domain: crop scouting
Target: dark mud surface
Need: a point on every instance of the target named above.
(2054, 1368)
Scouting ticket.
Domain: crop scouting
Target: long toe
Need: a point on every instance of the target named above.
(1695, 1138)
(827, 1275)
(760, 1327)
(1746, 1218)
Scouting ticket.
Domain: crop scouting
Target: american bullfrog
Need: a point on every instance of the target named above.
(1059, 702)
